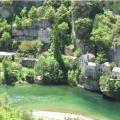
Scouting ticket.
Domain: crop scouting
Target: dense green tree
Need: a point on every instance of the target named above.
(50, 14)
(102, 32)
(83, 28)
(33, 12)
(100, 58)
(5, 36)
(48, 69)
(57, 52)
(53, 3)
(23, 12)
(63, 14)
(11, 72)
(63, 34)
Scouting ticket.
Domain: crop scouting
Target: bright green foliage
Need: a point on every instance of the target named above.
(101, 35)
(50, 14)
(32, 12)
(74, 70)
(5, 41)
(7, 112)
(26, 22)
(53, 3)
(4, 26)
(33, 47)
(23, 12)
(77, 53)
(100, 58)
(72, 79)
(6, 2)
(48, 69)
(27, 74)
(1, 78)
(40, 12)
(5, 36)
(18, 20)
(110, 85)
(83, 28)
(63, 14)
(30, 75)
(83, 23)
(11, 72)
(57, 52)
(63, 34)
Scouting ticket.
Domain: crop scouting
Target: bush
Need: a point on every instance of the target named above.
(74, 71)
(33, 47)
(72, 79)
(1, 78)
(77, 53)
(48, 69)
(30, 76)
(15, 45)
(11, 72)
(9, 113)
(110, 85)
(26, 22)
(32, 12)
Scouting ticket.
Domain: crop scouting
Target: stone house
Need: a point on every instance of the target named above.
(84, 59)
(116, 55)
(105, 67)
(91, 70)
(116, 72)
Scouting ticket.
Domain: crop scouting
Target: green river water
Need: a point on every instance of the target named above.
(63, 99)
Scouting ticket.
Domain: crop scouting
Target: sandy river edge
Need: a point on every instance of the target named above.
(57, 115)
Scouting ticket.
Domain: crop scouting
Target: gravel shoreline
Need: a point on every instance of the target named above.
(57, 116)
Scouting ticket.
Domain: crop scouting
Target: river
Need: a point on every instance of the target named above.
(63, 99)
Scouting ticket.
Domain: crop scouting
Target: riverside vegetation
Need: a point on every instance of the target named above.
(96, 28)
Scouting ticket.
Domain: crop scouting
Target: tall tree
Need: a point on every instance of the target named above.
(57, 52)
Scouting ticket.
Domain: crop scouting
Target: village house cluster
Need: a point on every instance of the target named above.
(92, 69)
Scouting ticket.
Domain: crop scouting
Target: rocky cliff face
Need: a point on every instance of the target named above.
(90, 84)
(38, 30)
(5, 11)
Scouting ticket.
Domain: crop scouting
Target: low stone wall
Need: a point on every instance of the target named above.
(26, 62)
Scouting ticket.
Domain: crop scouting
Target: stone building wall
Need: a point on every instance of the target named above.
(116, 56)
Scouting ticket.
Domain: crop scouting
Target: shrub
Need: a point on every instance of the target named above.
(11, 72)
(34, 46)
(74, 71)
(48, 69)
(77, 53)
(9, 113)
(15, 45)
(1, 78)
(5, 36)
(30, 76)
(26, 22)
(32, 12)
(72, 79)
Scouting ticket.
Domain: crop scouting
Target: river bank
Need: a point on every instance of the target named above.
(46, 115)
